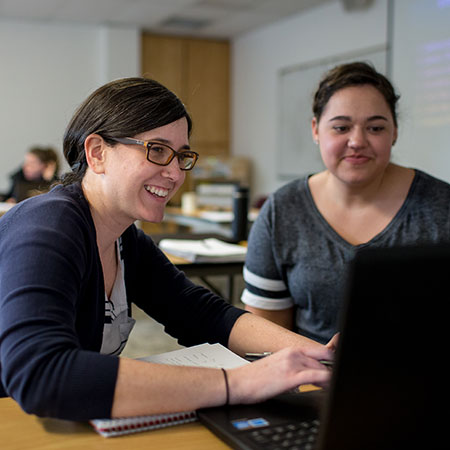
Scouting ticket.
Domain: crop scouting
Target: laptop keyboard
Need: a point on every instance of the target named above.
(292, 436)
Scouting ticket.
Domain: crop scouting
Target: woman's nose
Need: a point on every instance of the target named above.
(357, 138)
(173, 170)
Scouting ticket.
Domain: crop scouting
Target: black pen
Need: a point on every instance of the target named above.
(254, 356)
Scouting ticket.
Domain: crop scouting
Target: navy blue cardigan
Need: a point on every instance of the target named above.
(52, 305)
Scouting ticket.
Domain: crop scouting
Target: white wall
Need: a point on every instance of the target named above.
(46, 71)
(258, 56)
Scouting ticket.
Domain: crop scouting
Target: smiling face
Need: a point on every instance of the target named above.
(136, 189)
(355, 133)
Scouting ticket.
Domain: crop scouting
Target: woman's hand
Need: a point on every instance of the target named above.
(277, 373)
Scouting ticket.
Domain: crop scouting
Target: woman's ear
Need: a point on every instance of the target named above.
(394, 140)
(95, 150)
(315, 130)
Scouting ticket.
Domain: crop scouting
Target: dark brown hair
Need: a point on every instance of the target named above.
(353, 74)
(121, 108)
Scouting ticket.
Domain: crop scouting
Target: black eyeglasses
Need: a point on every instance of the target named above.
(162, 154)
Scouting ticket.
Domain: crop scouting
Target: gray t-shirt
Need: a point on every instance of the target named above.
(296, 258)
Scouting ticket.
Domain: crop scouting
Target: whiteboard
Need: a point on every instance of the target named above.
(297, 154)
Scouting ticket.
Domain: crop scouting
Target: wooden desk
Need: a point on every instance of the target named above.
(20, 431)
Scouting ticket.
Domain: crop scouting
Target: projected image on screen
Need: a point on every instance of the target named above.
(420, 70)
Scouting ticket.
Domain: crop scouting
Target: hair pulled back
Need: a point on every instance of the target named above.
(121, 108)
(353, 74)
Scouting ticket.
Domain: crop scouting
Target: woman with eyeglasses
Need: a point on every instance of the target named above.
(72, 263)
(308, 231)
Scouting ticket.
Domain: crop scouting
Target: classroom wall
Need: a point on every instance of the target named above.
(257, 57)
(46, 71)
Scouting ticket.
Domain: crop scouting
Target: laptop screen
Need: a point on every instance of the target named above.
(389, 387)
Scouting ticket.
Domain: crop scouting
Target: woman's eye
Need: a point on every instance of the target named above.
(340, 129)
(376, 129)
(156, 149)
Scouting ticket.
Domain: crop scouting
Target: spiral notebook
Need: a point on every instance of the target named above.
(127, 425)
(204, 355)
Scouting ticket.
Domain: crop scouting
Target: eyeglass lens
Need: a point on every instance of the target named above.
(162, 154)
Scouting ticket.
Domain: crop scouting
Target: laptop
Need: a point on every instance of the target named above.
(389, 388)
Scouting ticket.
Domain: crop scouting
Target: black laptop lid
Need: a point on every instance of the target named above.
(390, 386)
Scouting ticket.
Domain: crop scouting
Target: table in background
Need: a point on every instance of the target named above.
(203, 270)
(202, 220)
(21, 431)
(209, 269)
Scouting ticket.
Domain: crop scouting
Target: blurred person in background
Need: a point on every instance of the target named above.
(39, 170)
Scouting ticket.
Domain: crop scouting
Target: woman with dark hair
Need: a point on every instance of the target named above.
(309, 229)
(72, 263)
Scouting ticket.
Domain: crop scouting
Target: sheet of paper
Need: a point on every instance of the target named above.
(203, 355)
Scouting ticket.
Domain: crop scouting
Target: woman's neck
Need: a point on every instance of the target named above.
(108, 228)
(394, 181)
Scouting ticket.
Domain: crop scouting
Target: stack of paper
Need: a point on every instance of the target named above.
(224, 216)
(204, 250)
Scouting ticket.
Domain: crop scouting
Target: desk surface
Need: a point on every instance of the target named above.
(20, 431)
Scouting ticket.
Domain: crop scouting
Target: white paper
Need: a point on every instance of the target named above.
(204, 355)
(203, 250)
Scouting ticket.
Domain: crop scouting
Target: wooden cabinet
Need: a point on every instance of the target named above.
(198, 71)
(207, 95)
(163, 60)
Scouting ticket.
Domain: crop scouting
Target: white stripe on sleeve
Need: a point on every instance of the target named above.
(266, 303)
(263, 283)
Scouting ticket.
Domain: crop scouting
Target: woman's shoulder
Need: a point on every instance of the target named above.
(429, 187)
(430, 180)
(49, 224)
(430, 193)
(291, 190)
(63, 205)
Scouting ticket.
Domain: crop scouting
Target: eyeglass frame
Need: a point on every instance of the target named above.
(148, 144)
